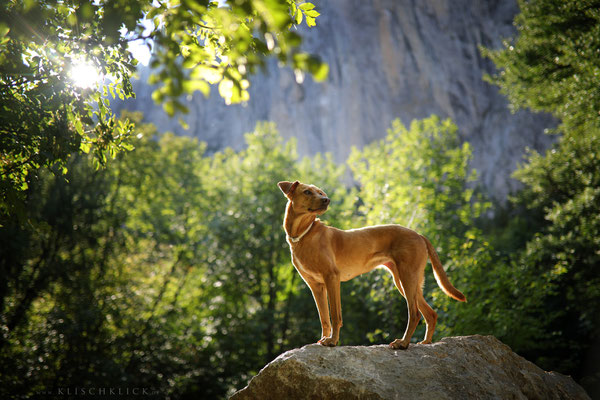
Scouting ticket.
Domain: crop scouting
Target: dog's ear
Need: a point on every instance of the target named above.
(288, 187)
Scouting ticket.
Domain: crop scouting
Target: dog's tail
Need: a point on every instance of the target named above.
(440, 274)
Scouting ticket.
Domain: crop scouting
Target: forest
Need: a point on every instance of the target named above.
(133, 258)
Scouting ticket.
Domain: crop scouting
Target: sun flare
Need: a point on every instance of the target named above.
(84, 74)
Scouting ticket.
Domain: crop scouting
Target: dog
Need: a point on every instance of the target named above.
(326, 256)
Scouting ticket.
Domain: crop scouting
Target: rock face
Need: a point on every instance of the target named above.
(388, 59)
(471, 367)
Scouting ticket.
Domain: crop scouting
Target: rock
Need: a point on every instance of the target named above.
(468, 367)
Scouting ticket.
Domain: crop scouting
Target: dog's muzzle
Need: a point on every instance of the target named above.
(325, 203)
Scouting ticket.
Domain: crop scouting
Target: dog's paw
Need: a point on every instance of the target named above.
(425, 342)
(327, 341)
(398, 345)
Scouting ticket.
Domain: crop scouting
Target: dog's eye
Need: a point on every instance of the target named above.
(307, 192)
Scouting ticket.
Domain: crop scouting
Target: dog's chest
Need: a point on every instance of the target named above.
(298, 264)
(305, 267)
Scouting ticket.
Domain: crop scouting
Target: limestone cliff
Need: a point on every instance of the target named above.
(469, 367)
(388, 59)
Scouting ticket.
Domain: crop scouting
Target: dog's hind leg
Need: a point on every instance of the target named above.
(411, 292)
(391, 266)
(430, 318)
(413, 321)
(425, 309)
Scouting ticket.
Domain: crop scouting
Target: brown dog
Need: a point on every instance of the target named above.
(325, 256)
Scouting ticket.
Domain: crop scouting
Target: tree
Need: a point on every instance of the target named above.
(157, 272)
(45, 117)
(552, 65)
(53, 292)
(564, 184)
(418, 176)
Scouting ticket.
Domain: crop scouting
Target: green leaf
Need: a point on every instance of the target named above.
(306, 6)
(192, 86)
(169, 107)
(79, 127)
(4, 29)
(319, 71)
(183, 124)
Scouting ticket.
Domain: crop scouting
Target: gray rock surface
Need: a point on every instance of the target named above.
(388, 59)
(469, 367)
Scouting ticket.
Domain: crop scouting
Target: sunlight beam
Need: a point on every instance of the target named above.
(84, 74)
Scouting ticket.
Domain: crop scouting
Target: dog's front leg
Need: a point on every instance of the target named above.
(320, 296)
(332, 283)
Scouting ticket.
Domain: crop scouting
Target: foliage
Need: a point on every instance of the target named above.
(549, 241)
(419, 177)
(167, 271)
(45, 117)
(553, 63)
(170, 271)
(565, 184)
(59, 269)
(224, 45)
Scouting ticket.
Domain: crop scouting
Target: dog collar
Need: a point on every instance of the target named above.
(297, 238)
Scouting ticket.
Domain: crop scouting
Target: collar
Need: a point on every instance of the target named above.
(298, 238)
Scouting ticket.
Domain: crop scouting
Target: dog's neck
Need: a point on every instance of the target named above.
(297, 225)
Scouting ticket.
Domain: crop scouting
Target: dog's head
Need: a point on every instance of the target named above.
(305, 198)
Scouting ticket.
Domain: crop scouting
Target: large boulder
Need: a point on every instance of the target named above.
(469, 367)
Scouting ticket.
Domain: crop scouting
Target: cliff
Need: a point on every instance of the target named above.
(471, 367)
(388, 59)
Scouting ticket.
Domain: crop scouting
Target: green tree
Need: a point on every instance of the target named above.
(95, 293)
(552, 65)
(45, 117)
(419, 176)
(53, 296)
(564, 183)
(163, 308)
(168, 270)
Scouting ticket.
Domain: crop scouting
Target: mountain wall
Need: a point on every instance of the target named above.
(388, 59)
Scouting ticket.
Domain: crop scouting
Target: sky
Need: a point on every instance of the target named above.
(139, 48)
